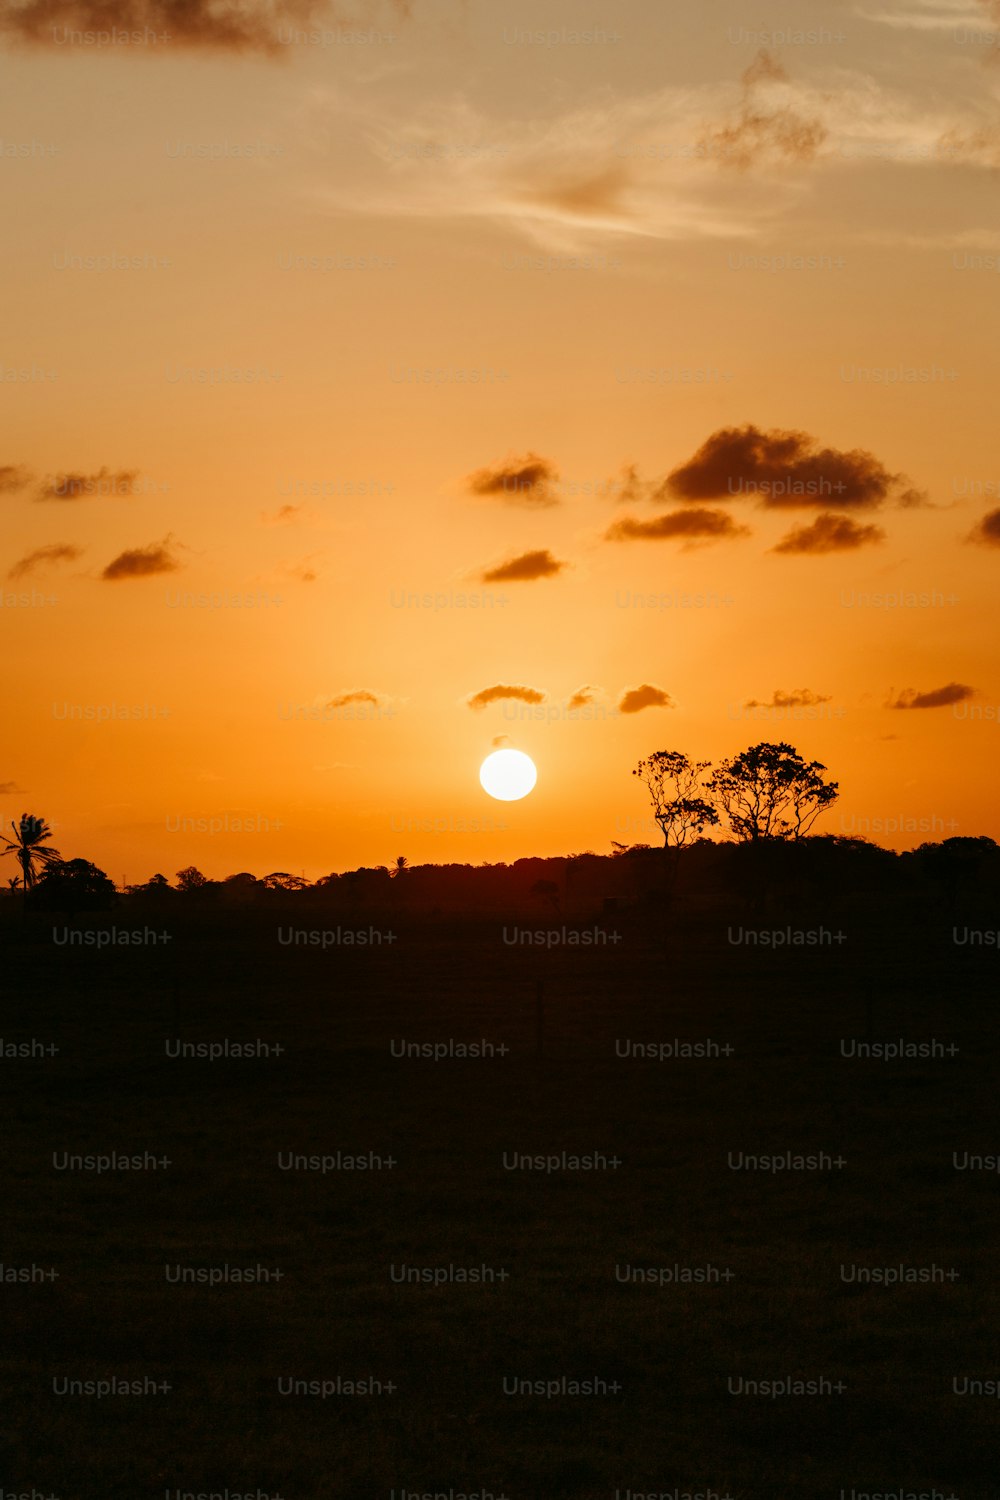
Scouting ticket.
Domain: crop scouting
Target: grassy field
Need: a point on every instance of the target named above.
(676, 1351)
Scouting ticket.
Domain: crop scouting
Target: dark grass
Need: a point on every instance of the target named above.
(673, 1424)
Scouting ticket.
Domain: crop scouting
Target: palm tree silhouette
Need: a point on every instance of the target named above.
(30, 847)
(400, 865)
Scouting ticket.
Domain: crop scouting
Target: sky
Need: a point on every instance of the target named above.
(381, 387)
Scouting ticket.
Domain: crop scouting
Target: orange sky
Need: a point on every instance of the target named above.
(581, 240)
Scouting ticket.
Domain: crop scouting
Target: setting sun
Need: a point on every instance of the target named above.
(508, 775)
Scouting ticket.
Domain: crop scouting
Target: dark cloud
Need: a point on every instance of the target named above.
(764, 131)
(582, 697)
(13, 477)
(797, 698)
(524, 569)
(79, 486)
(519, 481)
(10, 789)
(489, 695)
(142, 562)
(953, 692)
(829, 533)
(634, 700)
(243, 26)
(55, 553)
(783, 469)
(690, 526)
(986, 533)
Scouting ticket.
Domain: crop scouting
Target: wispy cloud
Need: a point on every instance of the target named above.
(583, 696)
(34, 562)
(285, 515)
(932, 15)
(13, 477)
(657, 165)
(79, 486)
(797, 698)
(769, 125)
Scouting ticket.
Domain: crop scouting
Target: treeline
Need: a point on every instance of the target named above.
(807, 873)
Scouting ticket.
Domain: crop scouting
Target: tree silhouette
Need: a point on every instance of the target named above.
(30, 847)
(280, 880)
(190, 879)
(770, 792)
(74, 885)
(674, 784)
(400, 866)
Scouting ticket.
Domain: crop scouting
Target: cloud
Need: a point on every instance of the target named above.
(972, 23)
(561, 176)
(525, 568)
(934, 15)
(797, 698)
(601, 194)
(56, 552)
(782, 468)
(695, 526)
(953, 692)
(13, 477)
(519, 481)
(829, 533)
(630, 487)
(767, 128)
(499, 741)
(986, 533)
(980, 146)
(355, 695)
(583, 696)
(489, 695)
(285, 515)
(634, 700)
(249, 26)
(10, 789)
(671, 163)
(142, 562)
(302, 571)
(77, 486)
